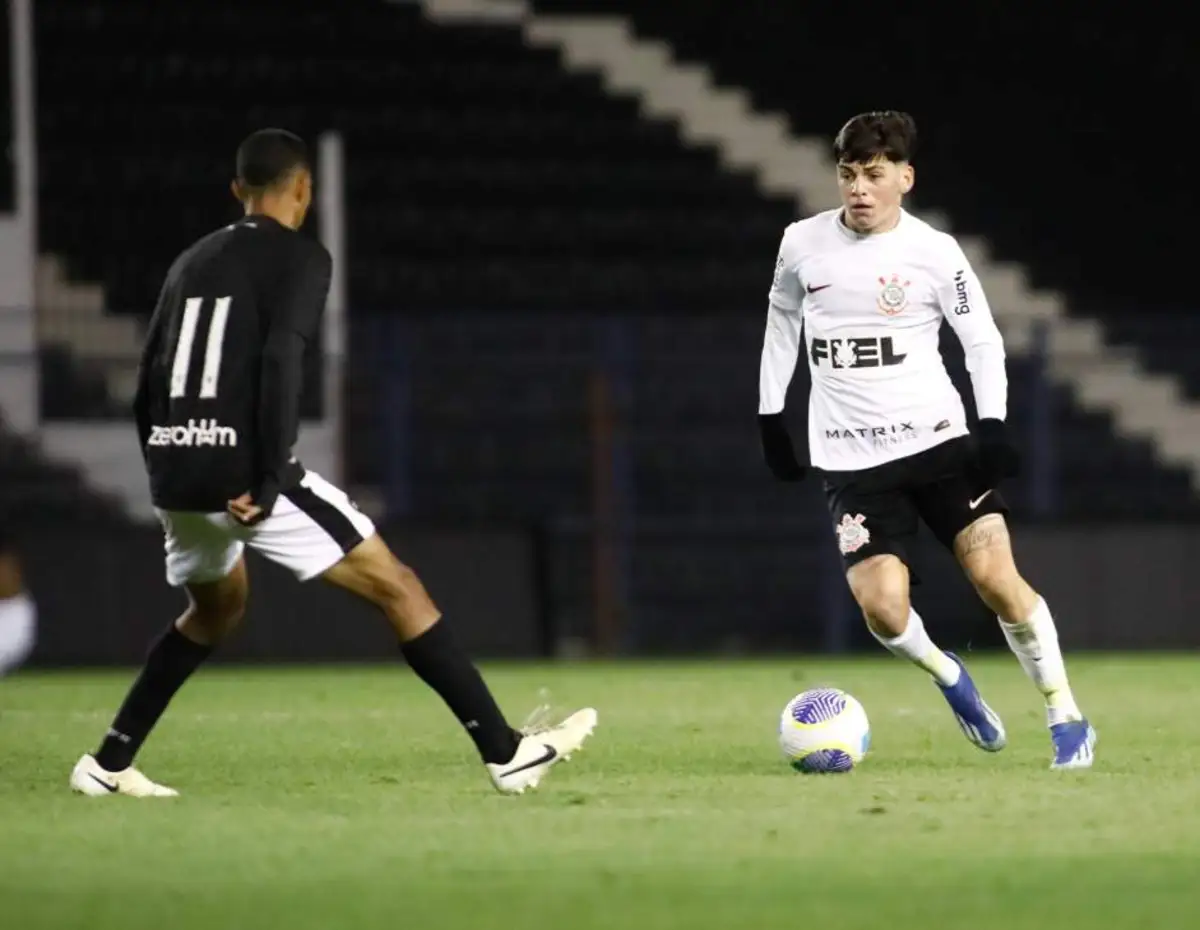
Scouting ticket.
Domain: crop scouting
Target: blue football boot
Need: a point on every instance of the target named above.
(1074, 745)
(979, 723)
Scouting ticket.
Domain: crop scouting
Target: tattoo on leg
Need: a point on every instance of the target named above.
(989, 532)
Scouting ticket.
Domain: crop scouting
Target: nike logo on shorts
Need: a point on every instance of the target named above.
(819, 287)
(979, 500)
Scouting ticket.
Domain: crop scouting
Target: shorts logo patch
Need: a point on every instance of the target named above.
(852, 534)
(893, 298)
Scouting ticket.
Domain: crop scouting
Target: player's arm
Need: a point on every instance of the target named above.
(293, 321)
(141, 396)
(781, 349)
(966, 308)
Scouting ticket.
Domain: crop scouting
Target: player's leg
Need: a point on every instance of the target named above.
(372, 572)
(515, 760)
(874, 529)
(18, 615)
(971, 521)
(316, 531)
(880, 585)
(207, 561)
(873, 526)
(984, 549)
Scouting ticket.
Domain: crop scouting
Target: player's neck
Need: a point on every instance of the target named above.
(280, 213)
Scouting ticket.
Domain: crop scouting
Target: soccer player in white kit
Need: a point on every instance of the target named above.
(868, 286)
(18, 614)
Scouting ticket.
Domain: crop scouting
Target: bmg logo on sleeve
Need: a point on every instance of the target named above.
(962, 299)
(860, 352)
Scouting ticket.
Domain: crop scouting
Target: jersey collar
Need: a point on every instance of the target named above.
(851, 236)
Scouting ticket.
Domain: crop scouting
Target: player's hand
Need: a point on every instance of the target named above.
(777, 448)
(245, 511)
(996, 457)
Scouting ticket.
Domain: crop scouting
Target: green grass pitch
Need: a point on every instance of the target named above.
(347, 798)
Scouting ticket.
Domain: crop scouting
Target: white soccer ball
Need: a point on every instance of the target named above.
(824, 730)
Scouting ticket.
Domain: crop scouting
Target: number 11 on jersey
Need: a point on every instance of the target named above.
(210, 373)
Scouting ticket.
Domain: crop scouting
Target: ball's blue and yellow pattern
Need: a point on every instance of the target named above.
(824, 730)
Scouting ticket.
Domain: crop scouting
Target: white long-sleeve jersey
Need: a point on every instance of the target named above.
(869, 308)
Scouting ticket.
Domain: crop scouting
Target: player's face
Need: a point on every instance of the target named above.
(872, 193)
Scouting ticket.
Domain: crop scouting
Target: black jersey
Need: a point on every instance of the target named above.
(218, 398)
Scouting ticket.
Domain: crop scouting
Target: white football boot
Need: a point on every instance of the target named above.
(543, 746)
(88, 778)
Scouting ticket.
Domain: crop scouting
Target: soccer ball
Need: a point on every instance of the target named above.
(824, 730)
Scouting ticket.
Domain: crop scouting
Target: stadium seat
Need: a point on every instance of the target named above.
(504, 211)
(1009, 148)
(36, 490)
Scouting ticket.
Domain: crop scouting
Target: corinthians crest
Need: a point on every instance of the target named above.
(893, 298)
(852, 535)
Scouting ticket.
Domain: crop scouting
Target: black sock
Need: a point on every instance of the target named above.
(436, 657)
(172, 659)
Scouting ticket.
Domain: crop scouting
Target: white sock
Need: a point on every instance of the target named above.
(915, 645)
(18, 620)
(1035, 644)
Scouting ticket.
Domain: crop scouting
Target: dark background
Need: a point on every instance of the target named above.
(556, 310)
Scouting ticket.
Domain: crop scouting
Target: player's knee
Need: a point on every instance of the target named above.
(990, 570)
(886, 612)
(880, 587)
(10, 576)
(402, 598)
(1001, 586)
(217, 609)
(395, 584)
(229, 614)
(372, 571)
(213, 622)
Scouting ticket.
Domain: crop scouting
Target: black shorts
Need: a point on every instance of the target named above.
(875, 511)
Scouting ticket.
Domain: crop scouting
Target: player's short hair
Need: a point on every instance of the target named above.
(268, 156)
(888, 134)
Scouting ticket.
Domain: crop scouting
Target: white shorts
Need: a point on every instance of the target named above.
(311, 529)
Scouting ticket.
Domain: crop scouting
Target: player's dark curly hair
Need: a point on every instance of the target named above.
(888, 134)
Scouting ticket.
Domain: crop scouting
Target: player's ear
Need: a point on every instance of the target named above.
(907, 179)
(301, 185)
(235, 186)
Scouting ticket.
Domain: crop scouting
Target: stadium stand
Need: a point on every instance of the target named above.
(7, 180)
(34, 489)
(1060, 181)
(501, 211)
(469, 154)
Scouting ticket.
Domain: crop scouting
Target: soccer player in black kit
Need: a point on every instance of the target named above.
(217, 410)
